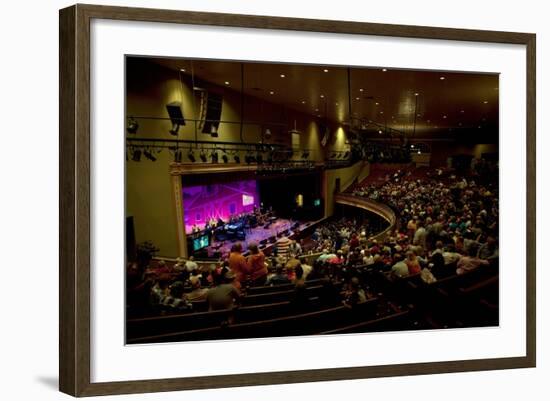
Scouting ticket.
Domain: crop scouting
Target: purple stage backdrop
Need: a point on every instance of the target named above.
(202, 203)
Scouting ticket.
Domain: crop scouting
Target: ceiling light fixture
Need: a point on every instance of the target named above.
(442, 78)
(271, 92)
(325, 70)
(384, 69)
(226, 82)
(282, 75)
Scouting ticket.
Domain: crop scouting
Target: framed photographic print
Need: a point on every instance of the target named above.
(361, 195)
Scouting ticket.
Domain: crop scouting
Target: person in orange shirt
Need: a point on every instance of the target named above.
(237, 263)
(256, 265)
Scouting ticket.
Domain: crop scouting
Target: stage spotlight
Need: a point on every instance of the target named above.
(174, 130)
(213, 131)
(191, 156)
(214, 156)
(225, 159)
(237, 159)
(203, 156)
(136, 155)
(149, 155)
(132, 125)
(177, 156)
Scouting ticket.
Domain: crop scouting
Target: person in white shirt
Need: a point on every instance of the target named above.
(400, 268)
(368, 259)
(191, 265)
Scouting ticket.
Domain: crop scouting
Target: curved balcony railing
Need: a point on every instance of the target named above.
(380, 209)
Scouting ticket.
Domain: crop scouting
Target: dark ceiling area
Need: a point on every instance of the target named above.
(459, 106)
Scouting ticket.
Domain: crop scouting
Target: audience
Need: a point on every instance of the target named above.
(446, 225)
(224, 293)
(256, 267)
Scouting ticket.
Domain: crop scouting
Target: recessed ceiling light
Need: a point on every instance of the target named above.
(377, 103)
(316, 109)
(462, 111)
(322, 96)
(357, 98)
(379, 131)
(325, 70)
(384, 69)
(303, 102)
(227, 82)
(485, 101)
(416, 94)
(442, 78)
(271, 92)
(444, 116)
(282, 75)
(381, 112)
(182, 69)
(361, 89)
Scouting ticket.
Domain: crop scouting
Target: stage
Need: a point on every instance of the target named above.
(223, 209)
(264, 237)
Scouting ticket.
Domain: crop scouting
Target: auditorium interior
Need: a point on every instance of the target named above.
(268, 199)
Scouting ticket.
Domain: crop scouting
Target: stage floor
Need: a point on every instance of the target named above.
(256, 235)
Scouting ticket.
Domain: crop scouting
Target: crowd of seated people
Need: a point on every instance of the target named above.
(447, 226)
(453, 217)
(177, 287)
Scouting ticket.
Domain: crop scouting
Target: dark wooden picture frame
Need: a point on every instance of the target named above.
(74, 206)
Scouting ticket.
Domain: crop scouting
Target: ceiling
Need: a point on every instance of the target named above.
(431, 104)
